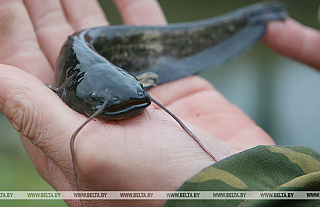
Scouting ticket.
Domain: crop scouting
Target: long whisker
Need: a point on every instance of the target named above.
(104, 105)
(183, 126)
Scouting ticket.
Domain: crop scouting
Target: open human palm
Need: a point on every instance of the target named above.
(146, 152)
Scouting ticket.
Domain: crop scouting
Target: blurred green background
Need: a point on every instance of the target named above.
(276, 92)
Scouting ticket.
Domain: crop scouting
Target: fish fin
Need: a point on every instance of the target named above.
(53, 88)
(148, 79)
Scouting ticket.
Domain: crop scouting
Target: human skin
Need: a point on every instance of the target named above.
(146, 152)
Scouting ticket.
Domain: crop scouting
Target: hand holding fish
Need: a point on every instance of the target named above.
(144, 152)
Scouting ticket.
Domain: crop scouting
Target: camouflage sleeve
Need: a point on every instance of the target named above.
(262, 168)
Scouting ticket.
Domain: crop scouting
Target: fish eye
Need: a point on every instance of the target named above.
(140, 93)
(115, 99)
(93, 96)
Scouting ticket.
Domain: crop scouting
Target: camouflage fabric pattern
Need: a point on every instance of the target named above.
(262, 168)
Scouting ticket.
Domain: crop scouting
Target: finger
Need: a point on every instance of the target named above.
(50, 25)
(38, 114)
(84, 13)
(294, 40)
(141, 12)
(18, 43)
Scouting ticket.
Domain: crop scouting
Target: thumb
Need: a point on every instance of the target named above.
(40, 116)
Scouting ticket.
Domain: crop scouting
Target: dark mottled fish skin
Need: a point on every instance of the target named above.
(93, 63)
(184, 49)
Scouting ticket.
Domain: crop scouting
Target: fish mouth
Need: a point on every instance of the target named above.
(125, 110)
